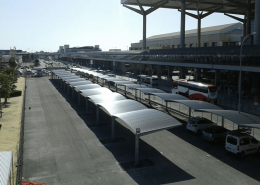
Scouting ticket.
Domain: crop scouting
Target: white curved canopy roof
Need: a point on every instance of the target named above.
(73, 84)
(123, 82)
(96, 91)
(149, 90)
(6, 158)
(134, 86)
(88, 86)
(170, 97)
(76, 80)
(234, 116)
(103, 98)
(148, 120)
(197, 104)
(121, 106)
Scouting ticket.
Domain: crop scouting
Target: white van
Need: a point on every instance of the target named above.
(241, 143)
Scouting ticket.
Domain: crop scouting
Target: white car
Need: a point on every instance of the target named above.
(198, 124)
(241, 143)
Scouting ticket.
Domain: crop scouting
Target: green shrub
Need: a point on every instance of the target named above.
(15, 93)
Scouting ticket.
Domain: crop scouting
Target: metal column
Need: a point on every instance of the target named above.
(97, 115)
(144, 32)
(125, 90)
(87, 105)
(112, 128)
(222, 122)
(78, 98)
(257, 23)
(189, 113)
(182, 35)
(137, 146)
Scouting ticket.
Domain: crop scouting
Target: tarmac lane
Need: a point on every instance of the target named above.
(61, 147)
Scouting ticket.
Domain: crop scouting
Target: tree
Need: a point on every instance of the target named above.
(36, 62)
(12, 62)
(7, 78)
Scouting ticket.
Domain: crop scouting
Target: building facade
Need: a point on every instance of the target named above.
(222, 35)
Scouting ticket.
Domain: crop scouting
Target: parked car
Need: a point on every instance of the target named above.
(241, 143)
(215, 133)
(198, 124)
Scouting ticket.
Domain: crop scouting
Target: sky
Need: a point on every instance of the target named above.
(35, 25)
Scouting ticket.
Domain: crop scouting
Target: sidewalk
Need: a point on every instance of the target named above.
(10, 120)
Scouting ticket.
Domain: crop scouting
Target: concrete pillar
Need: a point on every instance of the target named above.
(159, 71)
(182, 34)
(182, 73)
(255, 83)
(257, 23)
(150, 70)
(170, 69)
(123, 68)
(248, 20)
(114, 66)
(217, 77)
(135, 69)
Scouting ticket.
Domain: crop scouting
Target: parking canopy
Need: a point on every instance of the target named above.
(148, 90)
(6, 158)
(88, 86)
(148, 120)
(168, 97)
(73, 84)
(121, 106)
(241, 118)
(96, 91)
(104, 98)
(75, 80)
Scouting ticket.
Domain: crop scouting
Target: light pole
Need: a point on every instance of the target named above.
(240, 73)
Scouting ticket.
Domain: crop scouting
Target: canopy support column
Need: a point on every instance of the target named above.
(97, 115)
(116, 87)
(78, 98)
(137, 146)
(222, 124)
(125, 90)
(189, 113)
(149, 99)
(112, 128)
(108, 84)
(166, 106)
(144, 13)
(86, 105)
(199, 16)
(135, 94)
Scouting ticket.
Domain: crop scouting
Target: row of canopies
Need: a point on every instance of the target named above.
(138, 117)
(241, 119)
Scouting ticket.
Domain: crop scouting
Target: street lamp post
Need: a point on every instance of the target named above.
(240, 73)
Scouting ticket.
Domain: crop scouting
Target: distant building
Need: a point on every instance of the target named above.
(114, 49)
(222, 35)
(82, 49)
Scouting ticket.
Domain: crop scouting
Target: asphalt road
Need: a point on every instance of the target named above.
(62, 146)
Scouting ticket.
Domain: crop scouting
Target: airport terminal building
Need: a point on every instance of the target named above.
(222, 35)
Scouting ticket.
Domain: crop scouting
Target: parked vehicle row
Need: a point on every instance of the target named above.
(238, 142)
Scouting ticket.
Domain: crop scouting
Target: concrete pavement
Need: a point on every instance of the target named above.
(62, 146)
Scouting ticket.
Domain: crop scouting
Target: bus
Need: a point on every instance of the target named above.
(149, 81)
(196, 90)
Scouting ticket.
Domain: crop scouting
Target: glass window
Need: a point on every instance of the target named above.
(244, 141)
(232, 140)
(253, 140)
(192, 122)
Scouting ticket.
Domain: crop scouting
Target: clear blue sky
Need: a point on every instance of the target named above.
(48, 24)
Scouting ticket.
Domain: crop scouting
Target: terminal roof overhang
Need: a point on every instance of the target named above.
(219, 6)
